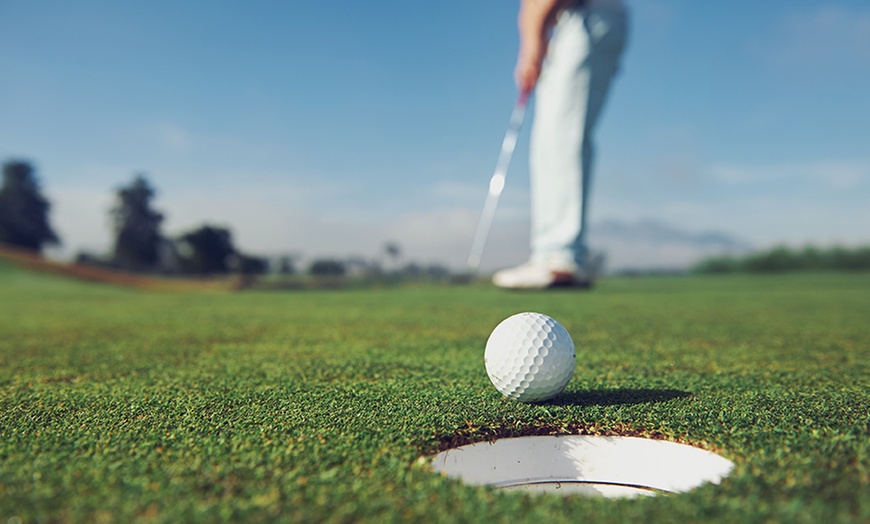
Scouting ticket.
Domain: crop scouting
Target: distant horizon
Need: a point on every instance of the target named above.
(641, 246)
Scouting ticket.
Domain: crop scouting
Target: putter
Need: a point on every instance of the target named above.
(496, 183)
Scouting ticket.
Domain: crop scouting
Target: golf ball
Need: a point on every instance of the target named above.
(530, 357)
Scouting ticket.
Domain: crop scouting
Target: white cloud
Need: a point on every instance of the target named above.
(823, 37)
(830, 176)
(459, 191)
(656, 14)
(763, 219)
(842, 176)
(174, 138)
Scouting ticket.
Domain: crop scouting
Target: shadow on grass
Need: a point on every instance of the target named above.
(617, 397)
(596, 397)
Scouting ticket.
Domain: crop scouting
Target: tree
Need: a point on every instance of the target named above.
(23, 210)
(286, 266)
(394, 253)
(250, 265)
(778, 259)
(327, 267)
(716, 265)
(207, 250)
(393, 250)
(137, 227)
(781, 259)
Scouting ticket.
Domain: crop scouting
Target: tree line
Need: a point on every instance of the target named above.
(782, 259)
(138, 243)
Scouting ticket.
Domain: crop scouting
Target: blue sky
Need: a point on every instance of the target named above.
(330, 128)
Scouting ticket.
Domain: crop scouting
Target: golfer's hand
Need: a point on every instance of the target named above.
(528, 67)
(535, 19)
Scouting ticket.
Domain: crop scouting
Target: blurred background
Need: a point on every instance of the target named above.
(367, 131)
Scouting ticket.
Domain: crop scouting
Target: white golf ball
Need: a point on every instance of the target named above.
(530, 357)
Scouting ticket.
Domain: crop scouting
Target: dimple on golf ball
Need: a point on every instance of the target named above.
(530, 357)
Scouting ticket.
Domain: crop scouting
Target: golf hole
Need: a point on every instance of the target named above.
(611, 467)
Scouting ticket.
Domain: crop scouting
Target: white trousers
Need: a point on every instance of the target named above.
(582, 59)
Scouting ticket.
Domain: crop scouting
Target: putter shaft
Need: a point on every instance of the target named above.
(496, 183)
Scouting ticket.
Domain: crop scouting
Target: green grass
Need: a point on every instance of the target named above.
(118, 405)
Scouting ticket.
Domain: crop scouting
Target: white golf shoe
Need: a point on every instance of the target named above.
(540, 275)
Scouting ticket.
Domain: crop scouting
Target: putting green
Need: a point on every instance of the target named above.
(123, 405)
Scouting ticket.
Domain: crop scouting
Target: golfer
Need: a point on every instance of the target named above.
(569, 53)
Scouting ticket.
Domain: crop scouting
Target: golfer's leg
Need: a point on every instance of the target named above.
(582, 58)
(556, 159)
(606, 28)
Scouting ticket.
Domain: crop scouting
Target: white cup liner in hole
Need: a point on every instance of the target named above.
(609, 467)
